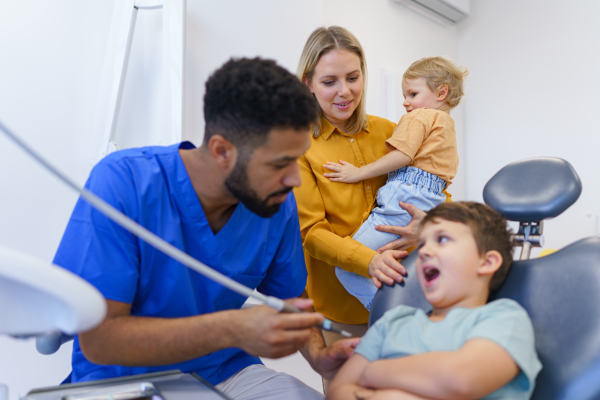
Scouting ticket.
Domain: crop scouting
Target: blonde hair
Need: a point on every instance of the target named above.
(321, 41)
(439, 71)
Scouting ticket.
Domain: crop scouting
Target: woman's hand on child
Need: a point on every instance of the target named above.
(409, 234)
(343, 172)
(385, 268)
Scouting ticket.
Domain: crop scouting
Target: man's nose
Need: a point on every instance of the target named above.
(292, 178)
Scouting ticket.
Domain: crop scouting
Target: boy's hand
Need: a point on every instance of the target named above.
(329, 359)
(385, 268)
(363, 393)
(343, 172)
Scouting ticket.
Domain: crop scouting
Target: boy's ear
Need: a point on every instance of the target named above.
(491, 262)
(442, 92)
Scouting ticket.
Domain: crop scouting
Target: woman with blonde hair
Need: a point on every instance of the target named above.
(333, 67)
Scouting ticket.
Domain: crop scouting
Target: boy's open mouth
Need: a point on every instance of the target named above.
(430, 273)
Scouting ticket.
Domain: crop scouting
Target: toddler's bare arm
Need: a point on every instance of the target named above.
(348, 173)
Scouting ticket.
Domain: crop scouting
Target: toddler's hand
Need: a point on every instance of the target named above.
(343, 172)
(385, 267)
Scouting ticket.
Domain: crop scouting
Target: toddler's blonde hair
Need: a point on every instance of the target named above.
(439, 71)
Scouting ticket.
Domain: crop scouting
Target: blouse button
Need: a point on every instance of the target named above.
(351, 140)
(368, 187)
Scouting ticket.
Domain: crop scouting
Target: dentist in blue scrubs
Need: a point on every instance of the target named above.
(227, 203)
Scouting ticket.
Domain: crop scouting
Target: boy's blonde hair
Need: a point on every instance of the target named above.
(321, 41)
(439, 71)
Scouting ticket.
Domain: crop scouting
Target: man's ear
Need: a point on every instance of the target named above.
(223, 152)
(491, 262)
(442, 92)
(307, 83)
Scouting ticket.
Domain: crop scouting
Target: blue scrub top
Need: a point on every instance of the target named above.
(151, 186)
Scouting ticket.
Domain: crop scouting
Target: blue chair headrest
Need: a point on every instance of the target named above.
(534, 189)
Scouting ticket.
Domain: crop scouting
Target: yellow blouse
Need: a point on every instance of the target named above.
(330, 213)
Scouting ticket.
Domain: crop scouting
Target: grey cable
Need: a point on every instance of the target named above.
(155, 241)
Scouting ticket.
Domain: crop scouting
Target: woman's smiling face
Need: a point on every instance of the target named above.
(337, 83)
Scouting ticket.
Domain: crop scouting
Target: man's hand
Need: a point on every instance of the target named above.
(328, 360)
(123, 339)
(385, 268)
(343, 172)
(409, 233)
(264, 332)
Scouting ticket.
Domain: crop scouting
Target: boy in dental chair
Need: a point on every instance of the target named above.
(465, 347)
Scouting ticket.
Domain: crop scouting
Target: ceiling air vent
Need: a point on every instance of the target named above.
(445, 12)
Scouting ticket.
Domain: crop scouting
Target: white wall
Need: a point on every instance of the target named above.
(532, 92)
(50, 68)
(49, 73)
(219, 30)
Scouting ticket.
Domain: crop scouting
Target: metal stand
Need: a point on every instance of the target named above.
(115, 71)
(529, 235)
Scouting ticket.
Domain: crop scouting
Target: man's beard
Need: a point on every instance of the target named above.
(239, 185)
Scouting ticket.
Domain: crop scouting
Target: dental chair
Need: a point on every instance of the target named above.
(561, 292)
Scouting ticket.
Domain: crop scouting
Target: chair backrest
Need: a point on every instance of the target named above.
(561, 293)
(533, 189)
(585, 386)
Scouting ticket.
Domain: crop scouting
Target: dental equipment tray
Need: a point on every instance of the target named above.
(131, 391)
(168, 385)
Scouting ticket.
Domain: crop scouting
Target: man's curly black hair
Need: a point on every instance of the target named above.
(246, 98)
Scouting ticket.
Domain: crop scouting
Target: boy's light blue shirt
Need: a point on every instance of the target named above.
(405, 331)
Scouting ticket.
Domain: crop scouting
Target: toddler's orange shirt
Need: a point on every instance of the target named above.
(428, 137)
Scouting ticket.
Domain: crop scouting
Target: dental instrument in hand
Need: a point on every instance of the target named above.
(167, 248)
